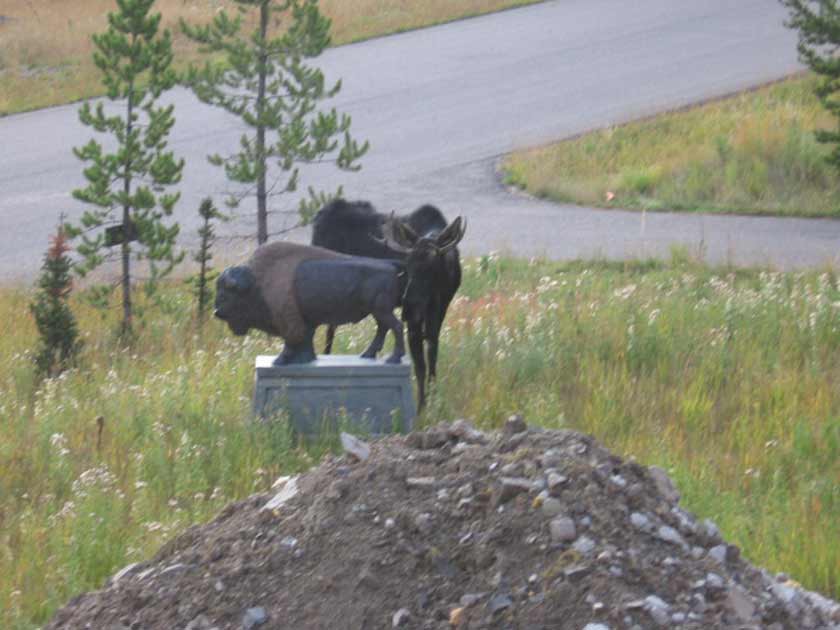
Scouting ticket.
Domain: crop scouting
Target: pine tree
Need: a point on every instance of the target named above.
(265, 82)
(207, 237)
(53, 317)
(127, 186)
(818, 23)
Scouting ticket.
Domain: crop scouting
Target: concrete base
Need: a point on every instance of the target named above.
(367, 395)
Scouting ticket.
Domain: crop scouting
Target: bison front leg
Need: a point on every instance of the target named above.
(301, 352)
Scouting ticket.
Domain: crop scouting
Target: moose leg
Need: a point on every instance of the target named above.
(330, 338)
(378, 341)
(415, 344)
(433, 325)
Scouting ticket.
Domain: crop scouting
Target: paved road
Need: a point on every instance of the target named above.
(440, 106)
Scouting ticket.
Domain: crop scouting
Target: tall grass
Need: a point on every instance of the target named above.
(728, 379)
(45, 46)
(754, 153)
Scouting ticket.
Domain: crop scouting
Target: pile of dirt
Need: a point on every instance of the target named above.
(455, 528)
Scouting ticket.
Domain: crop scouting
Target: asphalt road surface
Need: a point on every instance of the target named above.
(441, 105)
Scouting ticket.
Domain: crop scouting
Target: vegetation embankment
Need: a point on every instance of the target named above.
(46, 50)
(729, 379)
(754, 153)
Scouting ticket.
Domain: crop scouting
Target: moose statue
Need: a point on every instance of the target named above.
(288, 290)
(425, 244)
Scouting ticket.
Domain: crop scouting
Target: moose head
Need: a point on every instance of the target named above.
(425, 260)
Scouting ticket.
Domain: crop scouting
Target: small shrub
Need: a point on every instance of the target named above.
(56, 322)
(514, 177)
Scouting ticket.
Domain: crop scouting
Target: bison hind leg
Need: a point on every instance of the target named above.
(396, 327)
(378, 341)
(330, 338)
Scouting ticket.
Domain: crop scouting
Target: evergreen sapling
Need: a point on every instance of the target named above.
(207, 237)
(56, 323)
(265, 82)
(127, 186)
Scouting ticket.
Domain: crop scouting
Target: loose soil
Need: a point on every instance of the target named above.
(455, 528)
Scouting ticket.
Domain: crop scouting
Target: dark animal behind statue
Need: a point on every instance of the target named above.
(351, 227)
(425, 242)
(288, 290)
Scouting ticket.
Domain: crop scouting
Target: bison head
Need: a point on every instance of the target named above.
(237, 299)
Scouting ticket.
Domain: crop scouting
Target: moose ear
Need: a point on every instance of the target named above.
(452, 235)
(403, 232)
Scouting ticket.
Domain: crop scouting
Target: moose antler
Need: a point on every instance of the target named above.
(397, 235)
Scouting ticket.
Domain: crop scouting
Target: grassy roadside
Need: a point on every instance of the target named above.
(727, 378)
(45, 47)
(753, 153)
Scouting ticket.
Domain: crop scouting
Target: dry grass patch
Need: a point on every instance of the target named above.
(45, 45)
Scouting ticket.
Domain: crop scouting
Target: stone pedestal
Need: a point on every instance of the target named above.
(368, 395)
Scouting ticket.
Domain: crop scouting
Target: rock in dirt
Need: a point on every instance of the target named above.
(664, 484)
(288, 491)
(670, 535)
(200, 623)
(512, 486)
(718, 553)
(466, 433)
(555, 483)
(563, 530)
(417, 524)
(499, 603)
(740, 604)
(254, 617)
(355, 447)
(552, 507)
(131, 568)
(515, 424)
(421, 482)
(401, 618)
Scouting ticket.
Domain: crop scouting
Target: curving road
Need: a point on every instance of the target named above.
(440, 105)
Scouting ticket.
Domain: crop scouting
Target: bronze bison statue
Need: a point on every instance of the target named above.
(288, 290)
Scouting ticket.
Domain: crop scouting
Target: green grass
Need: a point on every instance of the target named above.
(753, 153)
(729, 379)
